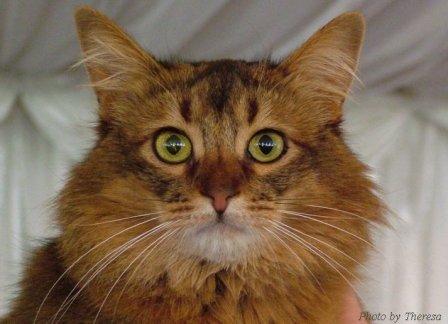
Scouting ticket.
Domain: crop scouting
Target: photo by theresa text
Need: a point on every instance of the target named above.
(399, 317)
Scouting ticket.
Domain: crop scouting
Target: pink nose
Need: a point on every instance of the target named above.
(220, 201)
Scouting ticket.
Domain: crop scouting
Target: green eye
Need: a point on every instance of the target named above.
(172, 147)
(266, 146)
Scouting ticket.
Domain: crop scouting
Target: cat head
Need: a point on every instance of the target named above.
(223, 162)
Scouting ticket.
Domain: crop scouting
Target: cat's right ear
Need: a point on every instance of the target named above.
(114, 61)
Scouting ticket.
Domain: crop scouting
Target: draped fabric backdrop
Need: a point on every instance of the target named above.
(46, 118)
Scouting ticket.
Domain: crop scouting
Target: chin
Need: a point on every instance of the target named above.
(221, 242)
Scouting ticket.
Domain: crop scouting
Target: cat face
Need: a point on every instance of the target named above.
(224, 162)
(221, 152)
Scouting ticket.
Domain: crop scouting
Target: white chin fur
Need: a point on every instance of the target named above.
(220, 243)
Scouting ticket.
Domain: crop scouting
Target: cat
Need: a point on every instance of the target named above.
(216, 192)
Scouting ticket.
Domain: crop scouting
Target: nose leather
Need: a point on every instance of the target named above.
(220, 200)
(220, 179)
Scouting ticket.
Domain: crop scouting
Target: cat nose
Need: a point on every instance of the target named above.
(220, 200)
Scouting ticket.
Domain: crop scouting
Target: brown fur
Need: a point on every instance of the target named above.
(219, 106)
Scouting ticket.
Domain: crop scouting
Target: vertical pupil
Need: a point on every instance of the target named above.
(266, 144)
(174, 144)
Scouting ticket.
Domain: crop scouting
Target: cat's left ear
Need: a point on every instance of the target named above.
(323, 68)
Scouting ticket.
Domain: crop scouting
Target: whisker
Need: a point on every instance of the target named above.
(135, 271)
(79, 259)
(302, 240)
(102, 264)
(325, 223)
(301, 202)
(334, 209)
(334, 218)
(155, 244)
(297, 256)
(111, 257)
(124, 218)
(347, 213)
(325, 243)
(313, 249)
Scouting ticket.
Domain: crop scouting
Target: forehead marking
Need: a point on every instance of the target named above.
(222, 77)
(252, 111)
(185, 110)
(220, 89)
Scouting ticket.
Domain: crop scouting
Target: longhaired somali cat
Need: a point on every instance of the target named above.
(217, 192)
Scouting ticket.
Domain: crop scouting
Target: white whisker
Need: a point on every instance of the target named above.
(307, 216)
(325, 243)
(334, 218)
(319, 253)
(79, 259)
(155, 244)
(124, 218)
(294, 253)
(102, 264)
(347, 213)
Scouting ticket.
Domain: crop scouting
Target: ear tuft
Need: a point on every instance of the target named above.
(324, 67)
(112, 57)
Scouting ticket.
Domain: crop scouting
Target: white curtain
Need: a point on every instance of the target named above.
(46, 119)
(405, 140)
(43, 132)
